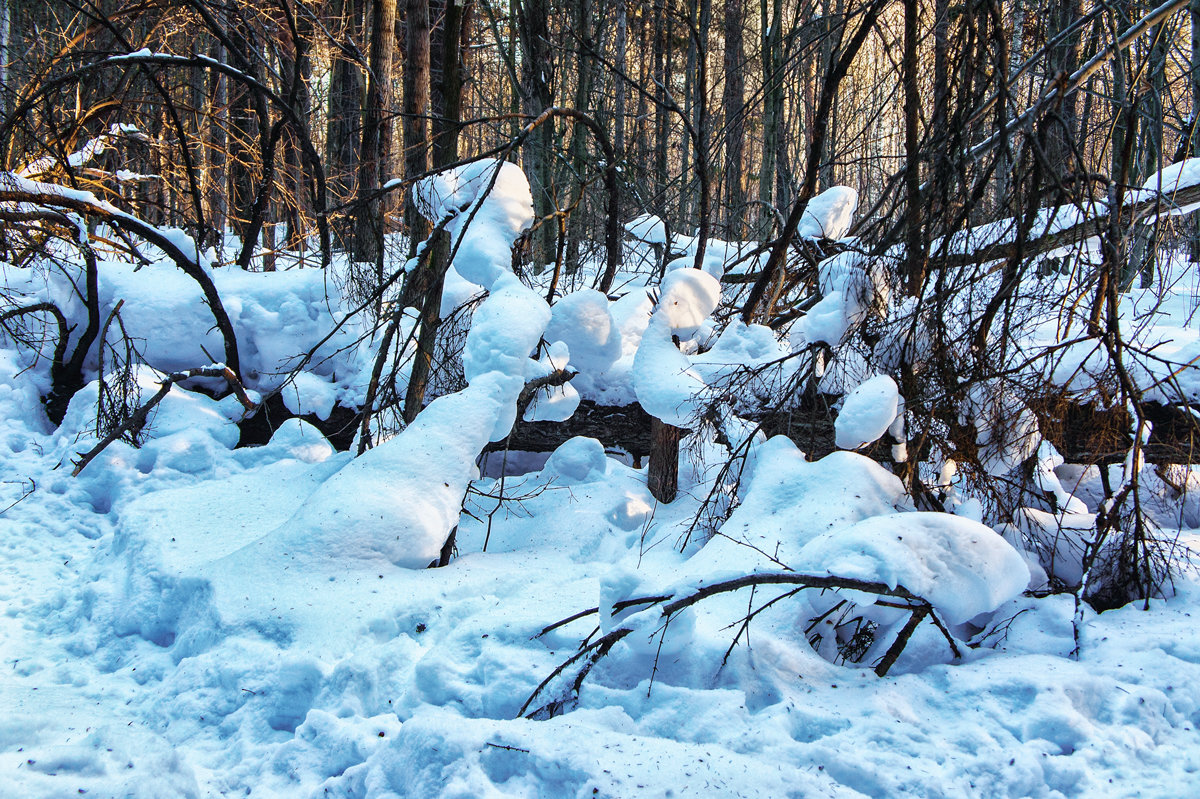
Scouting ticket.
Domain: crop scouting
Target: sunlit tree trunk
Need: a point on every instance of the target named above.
(375, 152)
(733, 101)
(416, 107)
(344, 128)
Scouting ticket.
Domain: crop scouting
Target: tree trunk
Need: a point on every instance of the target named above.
(242, 131)
(416, 107)
(662, 475)
(661, 128)
(536, 96)
(772, 49)
(1063, 133)
(733, 101)
(375, 152)
(344, 130)
(913, 238)
(621, 46)
(446, 101)
(1194, 133)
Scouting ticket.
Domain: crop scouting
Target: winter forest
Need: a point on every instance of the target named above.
(531, 398)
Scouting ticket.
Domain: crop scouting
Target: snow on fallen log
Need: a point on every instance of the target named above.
(399, 502)
(1174, 191)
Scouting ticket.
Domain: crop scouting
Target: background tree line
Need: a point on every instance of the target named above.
(710, 110)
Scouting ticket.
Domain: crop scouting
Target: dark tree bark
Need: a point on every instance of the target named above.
(662, 477)
(733, 101)
(344, 131)
(416, 108)
(447, 99)
(913, 234)
(375, 152)
(533, 23)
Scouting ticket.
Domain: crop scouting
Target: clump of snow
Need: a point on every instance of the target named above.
(791, 500)
(867, 413)
(583, 320)
(302, 441)
(553, 403)
(826, 322)
(666, 385)
(505, 330)
(687, 297)
(310, 394)
(490, 204)
(1007, 431)
(830, 214)
(963, 568)
(647, 228)
(852, 287)
(397, 502)
(578, 460)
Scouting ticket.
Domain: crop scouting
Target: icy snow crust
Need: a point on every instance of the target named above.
(191, 620)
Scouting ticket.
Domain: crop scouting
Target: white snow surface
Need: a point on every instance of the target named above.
(647, 228)
(829, 214)
(188, 619)
(867, 413)
(584, 322)
(961, 566)
(687, 297)
(666, 384)
(490, 204)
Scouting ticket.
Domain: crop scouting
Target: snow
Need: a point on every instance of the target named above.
(1170, 179)
(963, 568)
(553, 403)
(851, 287)
(578, 460)
(490, 205)
(583, 321)
(686, 299)
(647, 228)
(867, 413)
(665, 383)
(829, 214)
(193, 619)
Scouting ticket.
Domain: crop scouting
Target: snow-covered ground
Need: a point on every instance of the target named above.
(141, 659)
(190, 619)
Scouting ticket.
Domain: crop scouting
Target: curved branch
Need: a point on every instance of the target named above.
(56, 197)
(670, 604)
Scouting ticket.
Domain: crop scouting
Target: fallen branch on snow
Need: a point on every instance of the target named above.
(590, 652)
(138, 417)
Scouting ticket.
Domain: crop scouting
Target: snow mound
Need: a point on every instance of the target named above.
(300, 440)
(577, 460)
(687, 298)
(647, 228)
(309, 394)
(852, 288)
(963, 568)
(829, 214)
(396, 502)
(791, 501)
(665, 383)
(867, 413)
(583, 321)
(491, 205)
